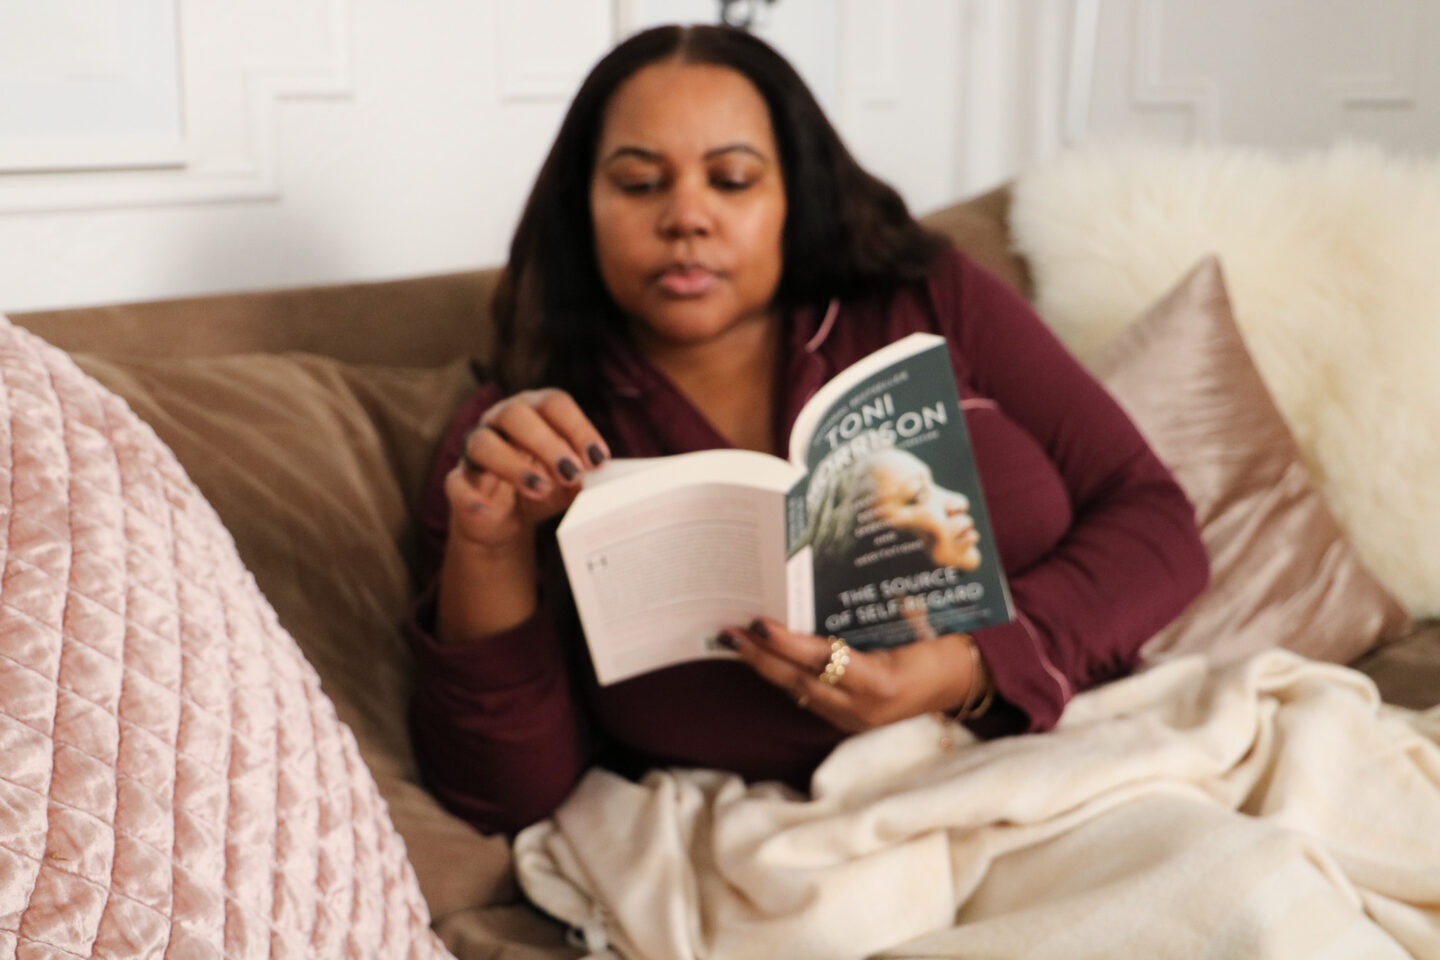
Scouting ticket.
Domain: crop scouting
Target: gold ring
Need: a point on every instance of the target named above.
(839, 660)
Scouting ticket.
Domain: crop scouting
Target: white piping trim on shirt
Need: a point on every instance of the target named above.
(831, 312)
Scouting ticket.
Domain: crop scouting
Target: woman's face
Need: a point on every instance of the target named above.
(688, 202)
(907, 497)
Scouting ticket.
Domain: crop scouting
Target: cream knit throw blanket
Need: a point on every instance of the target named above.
(1272, 808)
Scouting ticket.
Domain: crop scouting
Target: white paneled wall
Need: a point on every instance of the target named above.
(1284, 74)
(324, 140)
(898, 102)
(283, 142)
(101, 85)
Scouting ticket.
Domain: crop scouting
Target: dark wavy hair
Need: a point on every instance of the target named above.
(846, 233)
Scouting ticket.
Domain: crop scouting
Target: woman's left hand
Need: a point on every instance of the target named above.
(876, 688)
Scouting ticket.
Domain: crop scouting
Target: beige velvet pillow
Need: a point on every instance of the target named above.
(314, 466)
(1282, 571)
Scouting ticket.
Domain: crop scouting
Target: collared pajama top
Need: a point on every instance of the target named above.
(1099, 544)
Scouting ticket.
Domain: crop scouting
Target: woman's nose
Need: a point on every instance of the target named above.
(688, 212)
(956, 503)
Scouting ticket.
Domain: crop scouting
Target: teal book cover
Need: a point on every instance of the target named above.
(892, 511)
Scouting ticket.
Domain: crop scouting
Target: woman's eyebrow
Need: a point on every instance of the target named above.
(652, 156)
(735, 148)
(637, 152)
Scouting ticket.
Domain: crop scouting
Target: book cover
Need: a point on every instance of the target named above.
(892, 513)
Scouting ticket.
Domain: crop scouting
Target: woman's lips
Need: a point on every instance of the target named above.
(684, 280)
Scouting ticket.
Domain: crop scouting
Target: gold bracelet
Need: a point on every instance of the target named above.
(972, 684)
(979, 683)
(980, 692)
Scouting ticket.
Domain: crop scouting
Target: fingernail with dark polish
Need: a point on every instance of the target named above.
(567, 468)
(727, 640)
(760, 630)
(532, 482)
(596, 455)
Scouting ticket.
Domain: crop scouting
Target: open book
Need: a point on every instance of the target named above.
(876, 517)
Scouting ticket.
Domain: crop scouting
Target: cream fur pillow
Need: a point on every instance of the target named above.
(1331, 261)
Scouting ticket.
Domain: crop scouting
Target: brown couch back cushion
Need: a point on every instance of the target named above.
(979, 227)
(419, 322)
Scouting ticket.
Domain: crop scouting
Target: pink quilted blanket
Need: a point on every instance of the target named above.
(173, 782)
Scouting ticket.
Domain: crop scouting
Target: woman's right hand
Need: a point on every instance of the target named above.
(521, 465)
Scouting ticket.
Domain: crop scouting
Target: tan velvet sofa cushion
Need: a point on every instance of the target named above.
(314, 465)
(419, 322)
(979, 227)
(1407, 672)
(1282, 571)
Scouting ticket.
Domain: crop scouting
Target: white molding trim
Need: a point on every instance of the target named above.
(997, 84)
(113, 95)
(1395, 86)
(624, 16)
(880, 80)
(1199, 97)
(77, 154)
(1084, 39)
(1397, 89)
(525, 77)
(1018, 86)
(1375, 92)
(1051, 45)
(250, 176)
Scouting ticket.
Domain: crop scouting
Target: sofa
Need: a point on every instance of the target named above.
(308, 419)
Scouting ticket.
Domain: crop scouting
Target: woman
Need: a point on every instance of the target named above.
(908, 498)
(887, 492)
(874, 521)
(698, 255)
